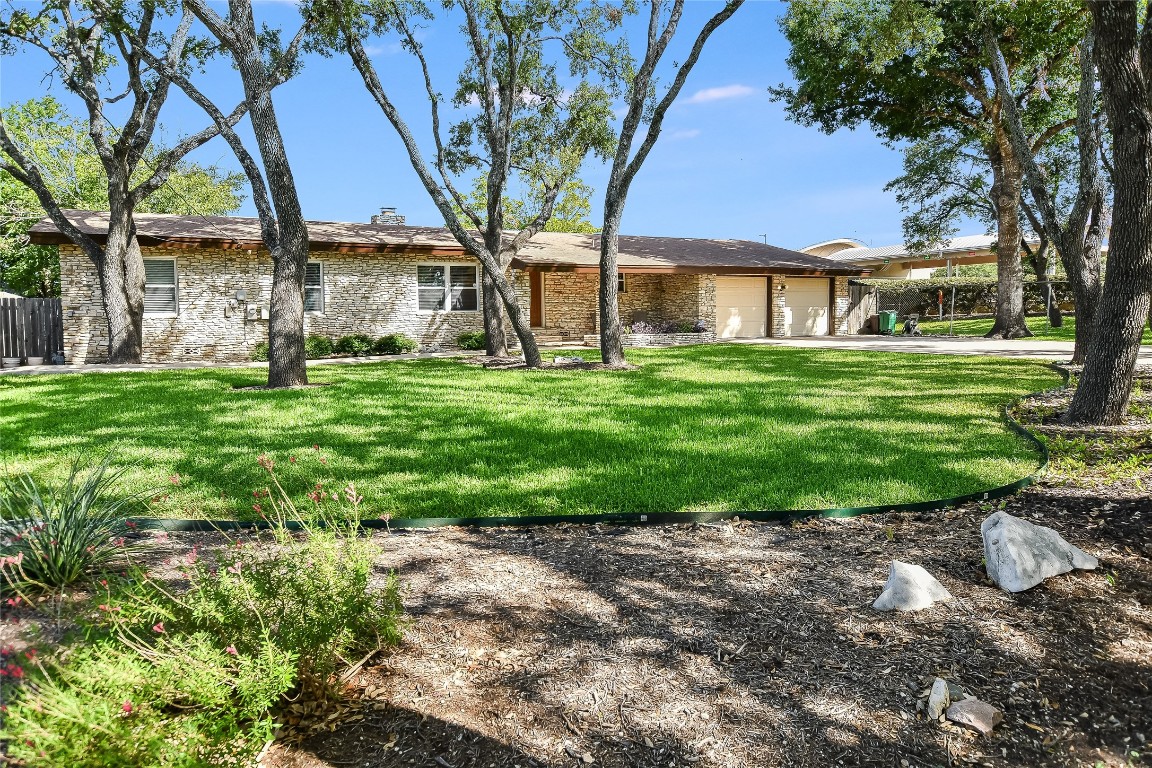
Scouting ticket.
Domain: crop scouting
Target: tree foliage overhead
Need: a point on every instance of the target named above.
(61, 147)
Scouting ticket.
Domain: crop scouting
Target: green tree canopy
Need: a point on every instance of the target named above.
(61, 146)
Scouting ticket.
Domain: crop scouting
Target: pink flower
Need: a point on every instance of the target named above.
(231, 651)
(265, 462)
(158, 627)
(129, 523)
(315, 447)
(102, 607)
(256, 507)
(292, 459)
(234, 569)
(30, 654)
(323, 460)
(174, 479)
(14, 601)
(103, 582)
(126, 707)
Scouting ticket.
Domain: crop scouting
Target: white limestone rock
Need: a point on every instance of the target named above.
(1019, 554)
(910, 588)
(938, 699)
(978, 715)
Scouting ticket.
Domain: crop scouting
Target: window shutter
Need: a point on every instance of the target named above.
(159, 285)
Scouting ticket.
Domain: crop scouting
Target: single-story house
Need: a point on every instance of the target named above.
(209, 279)
(897, 261)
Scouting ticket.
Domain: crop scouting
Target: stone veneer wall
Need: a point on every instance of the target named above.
(570, 300)
(841, 307)
(374, 294)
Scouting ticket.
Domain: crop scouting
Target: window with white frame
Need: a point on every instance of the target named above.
(314, 287)
(160, 286)
(621, 283)
(448, 287)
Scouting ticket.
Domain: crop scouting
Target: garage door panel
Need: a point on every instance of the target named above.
(806, 307)
(741, 307)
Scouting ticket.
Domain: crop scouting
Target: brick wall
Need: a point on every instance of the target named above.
(371, 294)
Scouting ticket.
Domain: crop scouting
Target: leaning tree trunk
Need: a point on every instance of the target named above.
(1007, 186)
(518, 318)
(611, 331)
(121, 272)
(1106, 382)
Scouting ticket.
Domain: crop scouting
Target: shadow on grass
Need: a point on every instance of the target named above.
(703, 428)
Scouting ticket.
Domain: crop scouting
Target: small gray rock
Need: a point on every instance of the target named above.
(572, 359)
(1019, 554)
(909, 588)
(938, 699)
(978, 715)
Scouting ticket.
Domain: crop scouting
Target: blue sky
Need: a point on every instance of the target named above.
(728, 164)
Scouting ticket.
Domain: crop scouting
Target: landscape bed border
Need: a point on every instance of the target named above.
(660, 518)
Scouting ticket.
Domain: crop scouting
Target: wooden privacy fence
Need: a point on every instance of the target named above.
(31, 328)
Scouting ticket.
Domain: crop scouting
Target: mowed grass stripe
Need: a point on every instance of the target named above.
(720, 427)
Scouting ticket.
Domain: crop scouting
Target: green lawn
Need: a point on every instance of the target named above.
(1038, 326)
(696, 428)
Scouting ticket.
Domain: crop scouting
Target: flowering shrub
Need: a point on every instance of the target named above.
(51, 537)
(472, 340)
(394, 344)
(180, 702)
(194, 678)
(356, 344)
(317, 346)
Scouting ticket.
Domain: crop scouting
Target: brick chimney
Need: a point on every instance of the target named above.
(388, 216)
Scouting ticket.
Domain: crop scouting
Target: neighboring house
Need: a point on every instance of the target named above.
(209, 280)
(896, 261)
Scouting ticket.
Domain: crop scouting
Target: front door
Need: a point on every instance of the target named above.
(536, 302)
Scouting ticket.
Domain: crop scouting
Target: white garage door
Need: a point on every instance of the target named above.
(806, 306)
(741, 307)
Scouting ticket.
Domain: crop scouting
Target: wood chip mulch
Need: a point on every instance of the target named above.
(754, 645)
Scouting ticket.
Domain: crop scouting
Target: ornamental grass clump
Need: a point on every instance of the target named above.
(53, 536)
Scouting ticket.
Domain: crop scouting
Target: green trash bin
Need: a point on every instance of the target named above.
(887, 323)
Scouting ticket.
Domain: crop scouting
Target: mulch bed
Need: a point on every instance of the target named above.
(750, 644)
(753, 645)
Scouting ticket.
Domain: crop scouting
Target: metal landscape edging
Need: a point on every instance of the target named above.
(660, 518)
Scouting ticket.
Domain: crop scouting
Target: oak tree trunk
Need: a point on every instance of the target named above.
(120, 269)
(1007, 185)
(496, 339)
(1122, 60)
(611, 330)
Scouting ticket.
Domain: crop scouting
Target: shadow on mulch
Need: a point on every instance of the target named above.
(755, 645)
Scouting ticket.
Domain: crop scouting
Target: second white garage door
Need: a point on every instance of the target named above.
(741, 307)
(805, 306)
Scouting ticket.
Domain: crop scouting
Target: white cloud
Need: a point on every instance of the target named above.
(389, 49)
(689, 133)
(735, 91)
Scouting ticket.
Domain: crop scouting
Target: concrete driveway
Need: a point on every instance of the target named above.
(1052, 351)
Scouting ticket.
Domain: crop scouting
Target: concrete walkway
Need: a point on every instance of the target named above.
(1052, 351)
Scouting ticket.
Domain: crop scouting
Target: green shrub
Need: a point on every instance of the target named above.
(170, 679)
(357, 344)
(51, 537)
(184, 701)
(472, 340)
(317, 346)
(394, 344)
(685, 326)
(260, 352)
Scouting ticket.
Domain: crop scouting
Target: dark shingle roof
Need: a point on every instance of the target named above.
(547, 250)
